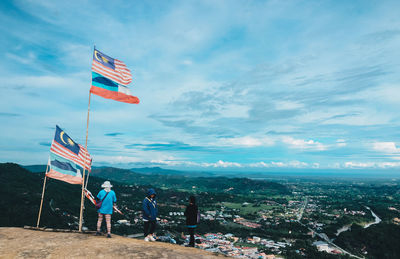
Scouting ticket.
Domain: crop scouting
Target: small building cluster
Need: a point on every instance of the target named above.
(226, 244)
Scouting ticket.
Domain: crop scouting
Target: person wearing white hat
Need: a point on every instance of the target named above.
(107, 198)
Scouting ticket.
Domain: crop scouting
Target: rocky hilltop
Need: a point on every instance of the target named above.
(24, 243)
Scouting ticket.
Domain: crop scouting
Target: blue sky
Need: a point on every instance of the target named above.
(249, 85)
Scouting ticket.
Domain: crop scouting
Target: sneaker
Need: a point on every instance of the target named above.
(108, 235)
(98, 233)
(146, 239)
(152, 238)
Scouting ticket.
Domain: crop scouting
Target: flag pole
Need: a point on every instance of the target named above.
(44, 188)
(84, 168)
(87, 130)
(87, 127)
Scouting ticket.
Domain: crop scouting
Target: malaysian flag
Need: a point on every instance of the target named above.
(67, 159)
(111, 68)
(110, 78)
(65, 147)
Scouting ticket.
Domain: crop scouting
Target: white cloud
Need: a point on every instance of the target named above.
(386, 94)
(260, 164)
(315, 165)
(187, 62)
(304, 144)
(386, 147)
(115, 159)
(28, 58)
(358, 164)
(274, 164)
(341, 143)
(221, 163)
(365, 165)
(369, 117)
(278, 164)
(168, 162)
(246, 141)
(288, 105)
(234, 111)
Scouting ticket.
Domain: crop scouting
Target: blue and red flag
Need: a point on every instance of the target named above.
(110, 78)
(67, 159)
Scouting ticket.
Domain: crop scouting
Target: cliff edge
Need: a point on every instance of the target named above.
(24, 243)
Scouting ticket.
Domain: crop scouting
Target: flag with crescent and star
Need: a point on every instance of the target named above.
(110, 78)
(67, 158)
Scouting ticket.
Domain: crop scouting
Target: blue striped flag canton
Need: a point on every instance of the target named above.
(103, 59)
(63, 139)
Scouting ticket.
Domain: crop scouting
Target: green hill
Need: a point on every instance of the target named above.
(193, 184)
(21, 192)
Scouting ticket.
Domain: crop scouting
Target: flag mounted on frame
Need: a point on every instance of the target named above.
(110, 78)
(67, 159)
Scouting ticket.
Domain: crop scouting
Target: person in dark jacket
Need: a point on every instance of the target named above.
(150, 215)
(191, 214)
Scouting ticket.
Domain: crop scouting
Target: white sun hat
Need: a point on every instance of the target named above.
(106, 184)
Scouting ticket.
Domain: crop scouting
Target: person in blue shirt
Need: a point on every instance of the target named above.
(108, 198)
(150, 215)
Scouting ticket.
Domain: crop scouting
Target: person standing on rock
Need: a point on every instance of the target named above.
(150, 215)
(192, 218)
(107, 198)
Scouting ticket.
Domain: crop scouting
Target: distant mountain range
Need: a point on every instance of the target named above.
(144, 170)
(158, 177)
(182, 180)
(279, 174)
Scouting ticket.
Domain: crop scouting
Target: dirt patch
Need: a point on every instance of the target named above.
(23, 243)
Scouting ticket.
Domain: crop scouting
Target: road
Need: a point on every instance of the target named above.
(302, 210)
(322, 235)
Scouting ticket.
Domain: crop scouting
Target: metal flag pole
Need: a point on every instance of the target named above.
(44, 187)
(84, 169)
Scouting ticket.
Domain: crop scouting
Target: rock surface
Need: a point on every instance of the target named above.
(24, 243)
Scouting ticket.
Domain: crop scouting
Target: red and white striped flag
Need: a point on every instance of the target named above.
(65, 147)
(111, 68)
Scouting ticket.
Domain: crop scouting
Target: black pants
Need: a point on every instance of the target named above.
(191, 233)
(149, 227)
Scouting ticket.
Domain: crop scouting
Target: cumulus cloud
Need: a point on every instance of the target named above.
(223, 164)
(386, 147)
(371, 165)
(304, 144)
(218, 164)
(279, 164)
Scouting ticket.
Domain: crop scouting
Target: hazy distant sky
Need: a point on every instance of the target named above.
(222, 84)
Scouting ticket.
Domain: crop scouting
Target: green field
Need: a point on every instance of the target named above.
(248, 209)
